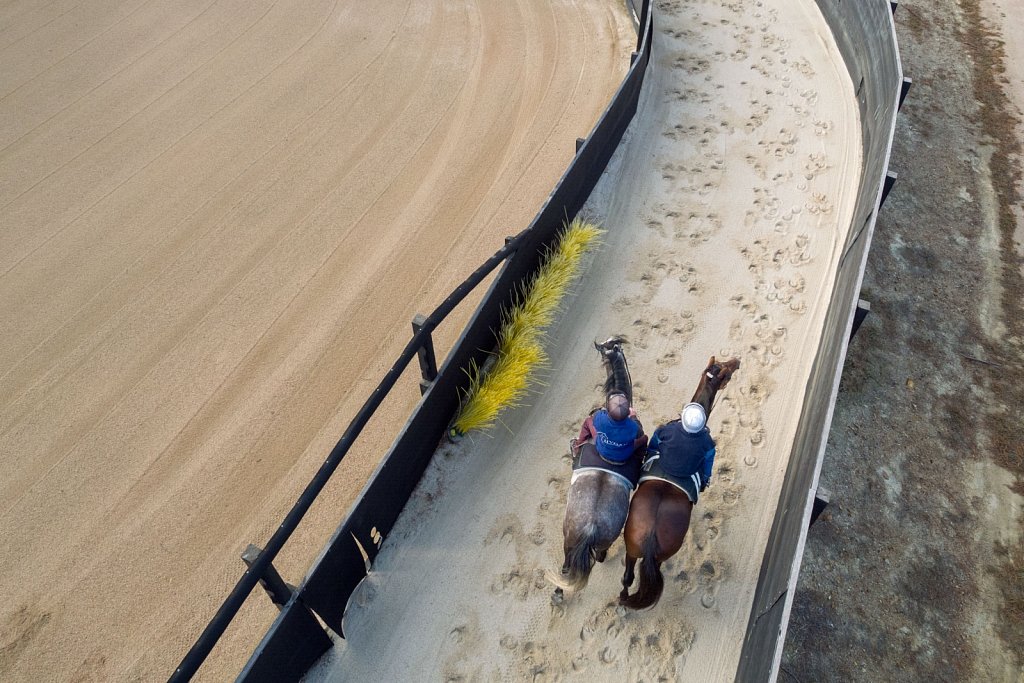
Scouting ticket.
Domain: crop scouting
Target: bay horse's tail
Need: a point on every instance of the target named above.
(579, 558)
(652, 582)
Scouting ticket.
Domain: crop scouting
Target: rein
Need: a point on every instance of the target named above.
(712, 374)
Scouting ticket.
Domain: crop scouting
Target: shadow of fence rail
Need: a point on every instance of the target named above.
(297, 639)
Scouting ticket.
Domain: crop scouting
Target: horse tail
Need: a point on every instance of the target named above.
(619, 380)
(579, 559)
(651, 580)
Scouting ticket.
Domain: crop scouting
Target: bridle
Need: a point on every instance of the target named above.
(712, 374)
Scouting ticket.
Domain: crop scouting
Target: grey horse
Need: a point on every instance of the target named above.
(598, 497)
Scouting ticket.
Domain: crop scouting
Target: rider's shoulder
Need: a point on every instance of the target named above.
(670, 426)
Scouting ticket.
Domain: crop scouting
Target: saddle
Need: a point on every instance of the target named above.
(586, 457)
(652, 469)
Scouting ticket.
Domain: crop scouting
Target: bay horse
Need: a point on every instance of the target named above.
(598, 499)
(659, 514)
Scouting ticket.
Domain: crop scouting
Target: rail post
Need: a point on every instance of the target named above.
(890, 181)
(822, 497)
(279, 591)
(904, 91)
(428, 363)
(863, 308)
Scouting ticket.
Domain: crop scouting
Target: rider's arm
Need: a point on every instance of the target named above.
(587, 431)
(709, 461)
(652, 445)
(640, 440)
(640, 445)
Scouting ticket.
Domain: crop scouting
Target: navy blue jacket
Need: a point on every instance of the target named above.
(682, 453)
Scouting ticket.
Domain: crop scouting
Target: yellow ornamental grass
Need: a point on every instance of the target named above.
(507, 377)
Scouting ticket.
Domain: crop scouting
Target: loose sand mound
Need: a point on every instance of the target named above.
(216, 221)
(726, 207)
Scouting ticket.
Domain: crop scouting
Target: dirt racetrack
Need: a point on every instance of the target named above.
(217, 219)
(726, 206)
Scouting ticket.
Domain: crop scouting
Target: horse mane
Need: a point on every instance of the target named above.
(618, 381)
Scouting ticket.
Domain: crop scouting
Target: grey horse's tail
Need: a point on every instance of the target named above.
(618, 381)
(652, 582)
(579, 558)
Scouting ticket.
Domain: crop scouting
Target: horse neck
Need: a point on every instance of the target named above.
(619, 381)
(705, 394)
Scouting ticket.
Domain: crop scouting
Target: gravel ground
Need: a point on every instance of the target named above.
(915, 571)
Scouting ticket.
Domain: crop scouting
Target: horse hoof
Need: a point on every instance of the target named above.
(558, 597)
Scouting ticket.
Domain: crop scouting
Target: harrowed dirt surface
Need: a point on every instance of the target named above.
(217, 220)
(915, 571)
(726, 207)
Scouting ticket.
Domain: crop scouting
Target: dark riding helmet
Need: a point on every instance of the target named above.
(617, 407)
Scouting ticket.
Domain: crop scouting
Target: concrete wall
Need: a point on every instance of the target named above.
(865, 34)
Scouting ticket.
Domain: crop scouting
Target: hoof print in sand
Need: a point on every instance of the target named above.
(519, 583)
(633, 646)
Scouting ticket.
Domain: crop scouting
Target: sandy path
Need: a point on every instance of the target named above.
(728, 203)
(217, 219)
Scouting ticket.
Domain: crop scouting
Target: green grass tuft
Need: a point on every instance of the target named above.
(520, 342)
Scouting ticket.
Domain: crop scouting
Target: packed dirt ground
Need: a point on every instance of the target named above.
(915, 571)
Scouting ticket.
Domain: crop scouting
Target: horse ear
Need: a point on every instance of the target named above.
(711, 362)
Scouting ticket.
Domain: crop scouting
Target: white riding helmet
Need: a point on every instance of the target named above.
(693, 417)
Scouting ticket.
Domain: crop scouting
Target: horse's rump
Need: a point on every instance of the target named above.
(595, 512)
(595, 509)
(600, 497)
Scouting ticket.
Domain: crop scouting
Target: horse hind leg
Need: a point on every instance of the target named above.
(652, 581)
(558, 597)
(628, 576)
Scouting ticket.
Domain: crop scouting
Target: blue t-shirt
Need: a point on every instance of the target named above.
(683, 453)
(615, 438)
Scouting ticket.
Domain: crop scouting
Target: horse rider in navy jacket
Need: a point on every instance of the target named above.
(682, 452)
